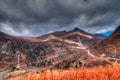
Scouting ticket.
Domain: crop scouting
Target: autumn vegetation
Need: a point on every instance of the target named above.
(111, 72)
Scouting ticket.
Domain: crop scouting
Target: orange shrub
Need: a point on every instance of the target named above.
(98, 73)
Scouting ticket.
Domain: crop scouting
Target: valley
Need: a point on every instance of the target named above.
(58, 50)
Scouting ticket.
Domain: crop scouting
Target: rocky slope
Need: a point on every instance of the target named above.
(58, 49)
(110, 46)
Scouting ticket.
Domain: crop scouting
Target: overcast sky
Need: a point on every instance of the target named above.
(37, 17)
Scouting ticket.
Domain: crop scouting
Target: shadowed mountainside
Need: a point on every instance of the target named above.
(109, 46)
(58, 49)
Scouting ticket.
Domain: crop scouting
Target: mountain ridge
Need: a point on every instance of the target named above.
(49, 51)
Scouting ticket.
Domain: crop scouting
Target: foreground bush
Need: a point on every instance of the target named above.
(98, 73)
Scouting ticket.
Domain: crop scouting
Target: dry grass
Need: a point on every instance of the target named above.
(98, 73)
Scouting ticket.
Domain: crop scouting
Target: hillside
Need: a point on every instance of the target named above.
(51, 50)
(109, 46)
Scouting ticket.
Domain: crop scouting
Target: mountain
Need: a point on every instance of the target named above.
(58, 49)
(107, 33)
(99, 35)
(109, 46)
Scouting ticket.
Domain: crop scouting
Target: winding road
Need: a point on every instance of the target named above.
(84, 48)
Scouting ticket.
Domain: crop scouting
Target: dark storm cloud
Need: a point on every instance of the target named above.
(37, 17)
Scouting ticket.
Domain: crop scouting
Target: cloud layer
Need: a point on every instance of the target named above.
(38, 17)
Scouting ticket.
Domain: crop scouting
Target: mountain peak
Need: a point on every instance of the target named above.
(5, 35)
(2, 34)
(117, 29)
(116, 32)
(76, 29)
